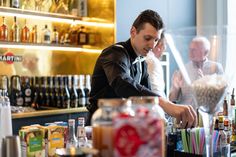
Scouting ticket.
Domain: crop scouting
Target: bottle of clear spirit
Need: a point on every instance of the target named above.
(72, 141)
(81, 133)
(46, 35)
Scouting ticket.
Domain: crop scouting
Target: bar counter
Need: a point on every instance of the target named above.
(48, 115)
(48, 112)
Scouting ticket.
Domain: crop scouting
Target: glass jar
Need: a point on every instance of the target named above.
(143, 133)
(102, 123)
(147, 103)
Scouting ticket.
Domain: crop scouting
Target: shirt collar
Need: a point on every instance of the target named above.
(130, 50)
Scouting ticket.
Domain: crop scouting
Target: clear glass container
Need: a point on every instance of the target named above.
(102, 123)
(148, 103)
(141, 134)
(72, 141)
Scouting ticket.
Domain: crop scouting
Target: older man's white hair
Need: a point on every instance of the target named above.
(204, 40)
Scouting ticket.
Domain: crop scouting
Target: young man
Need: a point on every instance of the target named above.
(121, 72)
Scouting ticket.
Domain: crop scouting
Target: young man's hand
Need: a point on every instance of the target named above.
(184, 114)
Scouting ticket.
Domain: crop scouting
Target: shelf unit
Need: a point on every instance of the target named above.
(53, 17)
(54, 59)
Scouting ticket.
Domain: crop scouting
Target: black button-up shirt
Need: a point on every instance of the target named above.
(116, 75)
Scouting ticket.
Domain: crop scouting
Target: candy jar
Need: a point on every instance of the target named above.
(102, 124)
(143, 133)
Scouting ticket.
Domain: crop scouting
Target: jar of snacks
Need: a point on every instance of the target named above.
(102, 124)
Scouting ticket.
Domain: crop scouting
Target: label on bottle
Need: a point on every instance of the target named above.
(82, 101)
(15, 3)
(46, 38)
(81, 131)
(28, 92)
(27, 99)
(66, 103)
(19, 101)
(82, 38)
(82, 11)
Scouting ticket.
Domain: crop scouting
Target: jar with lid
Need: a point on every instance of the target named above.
(149, 104)
(143, 133)
(102, 123)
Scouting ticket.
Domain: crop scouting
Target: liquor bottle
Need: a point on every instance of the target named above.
(16, 96)
(15, 31)
(57, 97)
(222, 134)
(82, 36)
(81, 133)
(25, 33)
(52, 92)
(34, 35)
(80, 91)
(37, 100)
(216, 123)
(73, 92)
(233, 125)
(225, 140)
(3, 31)
(47, 94)
(227, 130)
(73, 34)
(46, 35)
(91, 37)
(225, 107)
(87, 89)
(55, 36)
(42, 91)
(73, 8)
(72, 140)
(65, 93)
(27, 91)
(232, 106)
(82, 8)
(15, 3)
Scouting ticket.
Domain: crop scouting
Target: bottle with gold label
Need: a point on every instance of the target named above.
(82, 36)
(15, 31)
(25, 33)
(91, 37)
(3, 31)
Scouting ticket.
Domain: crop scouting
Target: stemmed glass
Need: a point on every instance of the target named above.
(208, 90)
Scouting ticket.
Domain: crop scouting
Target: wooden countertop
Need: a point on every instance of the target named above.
(48, 112)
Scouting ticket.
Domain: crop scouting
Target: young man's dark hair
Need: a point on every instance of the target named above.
(148, 16)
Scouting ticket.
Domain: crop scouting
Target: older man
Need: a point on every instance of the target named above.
(198, 66)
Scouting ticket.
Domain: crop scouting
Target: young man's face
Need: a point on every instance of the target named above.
(145, 39)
